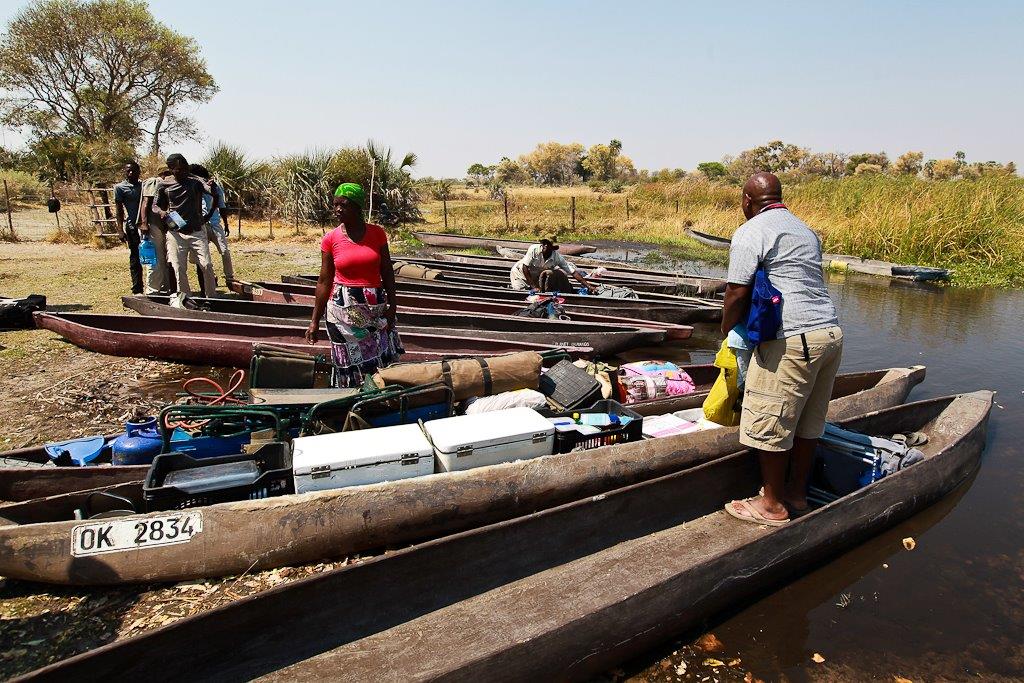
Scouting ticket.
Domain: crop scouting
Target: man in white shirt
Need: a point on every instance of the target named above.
(544, 269)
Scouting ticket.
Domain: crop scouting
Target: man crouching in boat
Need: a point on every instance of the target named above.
(544, 269)
(789, 382)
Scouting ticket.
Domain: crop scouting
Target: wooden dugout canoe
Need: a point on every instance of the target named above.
(664, 283)
(256, 292)
(559, 595)
(603, 339)
(36, 535)
(874, 389)
(706, 285)
(230, 344)
(498, 287)
(658, 311)
(449, 241)
(487, 278)
(708, 239)
(843, 262)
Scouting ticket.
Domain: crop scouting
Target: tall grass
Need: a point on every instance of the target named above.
(974, 225)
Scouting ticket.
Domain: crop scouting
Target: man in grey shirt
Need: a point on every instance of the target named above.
(789, 383)
(182, 194)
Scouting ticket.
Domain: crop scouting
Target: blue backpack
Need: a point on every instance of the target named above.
(765, 310)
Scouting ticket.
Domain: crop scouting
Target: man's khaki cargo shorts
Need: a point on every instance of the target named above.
(788, 387)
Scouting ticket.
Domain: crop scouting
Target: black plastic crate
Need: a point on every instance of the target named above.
(274, 461)
(573, 440)
(568, 386)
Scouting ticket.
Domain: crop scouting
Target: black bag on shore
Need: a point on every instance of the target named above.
(16, 314)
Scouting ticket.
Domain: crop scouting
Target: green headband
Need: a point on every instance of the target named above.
(352, 191)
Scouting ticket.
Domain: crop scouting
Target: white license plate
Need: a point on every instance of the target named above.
(255, 291)
(118, 535)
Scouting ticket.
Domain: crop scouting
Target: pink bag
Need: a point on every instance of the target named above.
(652, 379)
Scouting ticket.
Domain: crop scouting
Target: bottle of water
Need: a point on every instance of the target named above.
(147, 252)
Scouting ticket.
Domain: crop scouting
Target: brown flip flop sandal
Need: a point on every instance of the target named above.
(752, 515)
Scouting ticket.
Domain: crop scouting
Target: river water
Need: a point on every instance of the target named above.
(951, 609)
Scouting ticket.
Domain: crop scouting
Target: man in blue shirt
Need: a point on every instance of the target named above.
(127, 195)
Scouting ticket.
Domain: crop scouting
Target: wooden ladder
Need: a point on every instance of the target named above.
(101, 205)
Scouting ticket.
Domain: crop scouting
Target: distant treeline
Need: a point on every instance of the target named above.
(604, 167)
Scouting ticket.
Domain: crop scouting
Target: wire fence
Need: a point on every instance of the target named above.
(530, 210)
(87, 214)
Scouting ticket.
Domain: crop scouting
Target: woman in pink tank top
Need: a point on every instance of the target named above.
(356, 289)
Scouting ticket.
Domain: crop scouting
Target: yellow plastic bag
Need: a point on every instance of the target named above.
(718, 406)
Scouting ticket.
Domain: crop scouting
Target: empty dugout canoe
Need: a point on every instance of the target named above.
(316, 526)
(603, 339)
(449, 241)
(707, 239)
(563, 594)
(843, 262)
(230, 344)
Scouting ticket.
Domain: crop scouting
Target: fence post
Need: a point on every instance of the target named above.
(627, 207)
(573, 210)
(10, 221)
(444, 202)
(505, 197)
(677, 206)
(296, 214)
(270, 212)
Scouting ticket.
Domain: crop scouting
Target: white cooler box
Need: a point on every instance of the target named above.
(365, 456)
(468, 441)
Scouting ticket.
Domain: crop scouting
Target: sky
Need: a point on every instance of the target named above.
(677, 82)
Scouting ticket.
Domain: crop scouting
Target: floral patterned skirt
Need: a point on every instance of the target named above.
(357, 326)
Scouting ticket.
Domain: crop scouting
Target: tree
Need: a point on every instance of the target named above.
(774, 157)
(824, 164)
(553, 163)
(509, 172)
(943, 169)
(480, 174)
(909, 163)
(101, 69)
(599, 163)
(880, 159)
(867, 169)
(712, 170)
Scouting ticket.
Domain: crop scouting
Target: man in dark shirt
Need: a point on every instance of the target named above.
(182, 194)
(127, 194)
